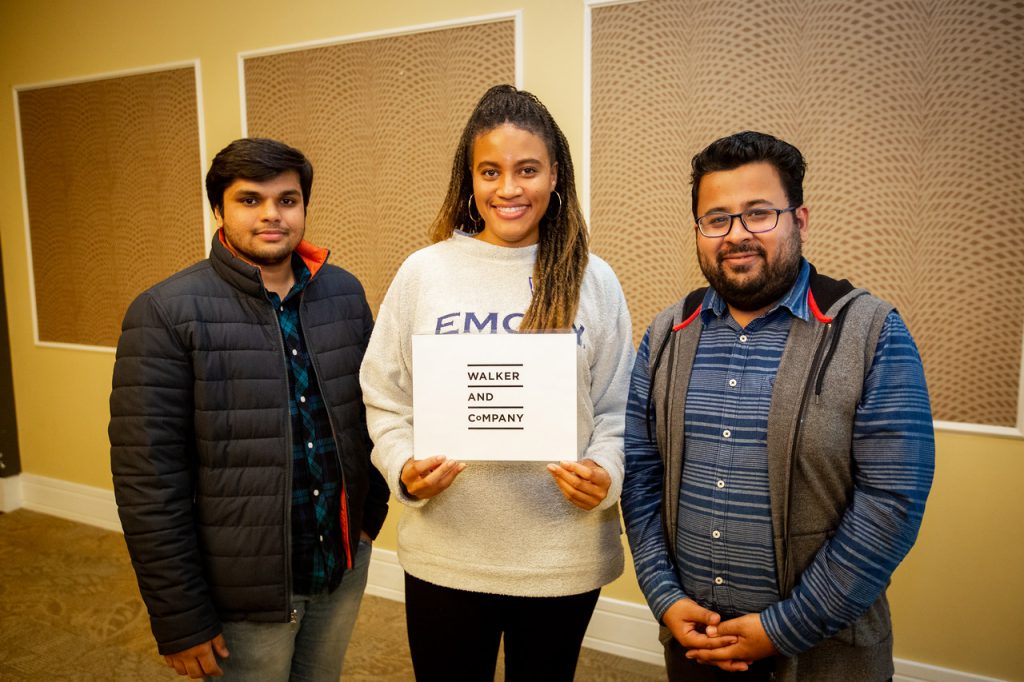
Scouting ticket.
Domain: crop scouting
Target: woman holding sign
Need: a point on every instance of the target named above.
(498, 547)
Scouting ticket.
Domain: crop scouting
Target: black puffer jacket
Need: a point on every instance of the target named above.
(200, 438)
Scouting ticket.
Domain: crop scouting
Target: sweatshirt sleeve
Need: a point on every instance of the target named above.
(386, 380)
(609, 372)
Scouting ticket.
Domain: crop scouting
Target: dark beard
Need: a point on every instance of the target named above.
(769, 286)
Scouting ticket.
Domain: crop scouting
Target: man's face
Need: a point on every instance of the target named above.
(263, 221)
(750, 271)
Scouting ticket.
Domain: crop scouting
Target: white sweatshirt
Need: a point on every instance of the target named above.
(501, 527)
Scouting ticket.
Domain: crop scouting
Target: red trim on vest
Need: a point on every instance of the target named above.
(820, 316)
(684, 323)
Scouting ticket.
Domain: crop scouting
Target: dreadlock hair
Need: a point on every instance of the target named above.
(563, 248)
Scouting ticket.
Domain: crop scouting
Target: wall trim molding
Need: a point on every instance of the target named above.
(1015, 431)
(588, 52)
(911, 671)
(10, 493)
(628, 629)
(73, 501)
(516, 16)
(618, 627)
(984, 429)
(196, 67)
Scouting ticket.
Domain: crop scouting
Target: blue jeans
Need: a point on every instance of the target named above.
(313, 647)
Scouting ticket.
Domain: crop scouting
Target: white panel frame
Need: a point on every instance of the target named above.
(200, 120)
(516, 16)
(588, 63)
(1016, 431)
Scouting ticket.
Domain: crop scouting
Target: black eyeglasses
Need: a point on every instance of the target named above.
(755, 220)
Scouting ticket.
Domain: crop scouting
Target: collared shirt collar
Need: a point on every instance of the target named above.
(795, 299)
(302, 275)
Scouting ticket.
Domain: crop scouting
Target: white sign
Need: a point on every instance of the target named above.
(507, 397)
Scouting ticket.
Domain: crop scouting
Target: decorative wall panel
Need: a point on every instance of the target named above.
(112, 176)
(908, 114)
(379, 119)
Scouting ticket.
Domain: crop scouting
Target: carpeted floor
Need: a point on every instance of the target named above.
(70, 610)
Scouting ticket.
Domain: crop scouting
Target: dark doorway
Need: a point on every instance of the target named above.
(10, 462)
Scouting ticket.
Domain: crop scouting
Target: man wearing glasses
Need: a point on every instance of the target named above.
(779, 444)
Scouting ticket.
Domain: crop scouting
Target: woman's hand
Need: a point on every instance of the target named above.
(424, 478)
(583, 483)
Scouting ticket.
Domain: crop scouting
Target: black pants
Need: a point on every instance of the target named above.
(454, 634)
(682, 669)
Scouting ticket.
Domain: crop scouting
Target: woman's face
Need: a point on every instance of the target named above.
(513, 178)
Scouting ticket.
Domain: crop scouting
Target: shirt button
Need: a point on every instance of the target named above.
(321, 538)
(302, 398)
(316, 493)
(294, 352)
(281, 309)
(726, 433)
(716, 534)
(309, 445)
(718, 580)
(720, 484)
(732, 382)
(743, 338)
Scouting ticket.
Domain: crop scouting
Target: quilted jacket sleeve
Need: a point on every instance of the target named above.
(152, 458)
(379, 493)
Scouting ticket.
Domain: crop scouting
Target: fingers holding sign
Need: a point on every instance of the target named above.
(425, 478)
(583, 483)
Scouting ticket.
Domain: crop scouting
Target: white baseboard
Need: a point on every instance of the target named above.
(625, 629)
(617, 627)
(386, 579)
(910, 671)
(72, 501)
(10, 493)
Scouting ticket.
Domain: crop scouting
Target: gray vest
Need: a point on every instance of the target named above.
(817, 388)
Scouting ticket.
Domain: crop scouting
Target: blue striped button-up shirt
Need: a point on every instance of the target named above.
(724, 550)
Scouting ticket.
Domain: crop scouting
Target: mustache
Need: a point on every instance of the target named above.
(742, 248)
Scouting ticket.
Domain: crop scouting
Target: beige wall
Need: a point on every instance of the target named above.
(958, 598)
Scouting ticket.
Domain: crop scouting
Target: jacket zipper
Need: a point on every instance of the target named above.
(346, 542)
(808, 385)
(289, 610)
(670, 477)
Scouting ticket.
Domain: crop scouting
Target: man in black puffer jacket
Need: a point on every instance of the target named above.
(239, 450)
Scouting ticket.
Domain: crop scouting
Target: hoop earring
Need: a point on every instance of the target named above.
(558, 211)
(469, 212)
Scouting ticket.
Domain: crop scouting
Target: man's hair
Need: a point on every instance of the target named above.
(257, 159)
(739, 149)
